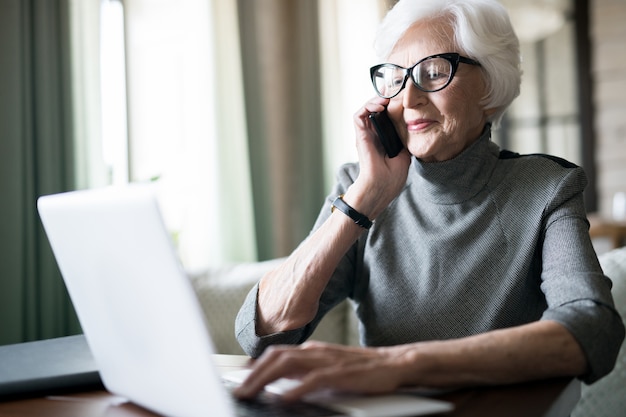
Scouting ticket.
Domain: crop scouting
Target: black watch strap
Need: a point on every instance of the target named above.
(358, 218)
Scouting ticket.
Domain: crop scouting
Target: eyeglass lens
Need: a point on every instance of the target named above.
(430, 75)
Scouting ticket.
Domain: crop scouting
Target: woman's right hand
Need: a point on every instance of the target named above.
(380, 178)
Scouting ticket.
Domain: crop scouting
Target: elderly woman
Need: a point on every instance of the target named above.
(478, 267)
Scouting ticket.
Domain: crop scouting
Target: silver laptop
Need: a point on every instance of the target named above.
(139, 312)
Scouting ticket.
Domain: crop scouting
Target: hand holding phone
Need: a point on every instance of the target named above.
(387, 133)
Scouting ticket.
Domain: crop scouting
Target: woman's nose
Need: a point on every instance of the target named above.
(413, 96)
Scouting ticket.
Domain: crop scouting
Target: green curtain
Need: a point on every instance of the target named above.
(280, 59)
(35, 159)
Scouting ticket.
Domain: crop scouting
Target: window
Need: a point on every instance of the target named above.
(113, 91)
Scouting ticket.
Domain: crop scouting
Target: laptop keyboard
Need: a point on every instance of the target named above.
(270, 405)
(260, 407)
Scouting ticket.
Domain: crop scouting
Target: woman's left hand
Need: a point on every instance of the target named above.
(538, 350)
(322, 366)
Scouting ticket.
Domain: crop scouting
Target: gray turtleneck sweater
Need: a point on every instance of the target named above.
(487, 240)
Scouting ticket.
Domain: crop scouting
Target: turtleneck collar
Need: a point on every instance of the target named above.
(460, 178)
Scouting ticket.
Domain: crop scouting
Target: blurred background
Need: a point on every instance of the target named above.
(240, 113)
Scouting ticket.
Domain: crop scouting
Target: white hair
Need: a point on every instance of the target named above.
(482, 30)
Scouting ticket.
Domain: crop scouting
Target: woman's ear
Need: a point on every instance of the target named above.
(491, 112)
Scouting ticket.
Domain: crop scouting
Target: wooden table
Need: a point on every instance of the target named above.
(551, 398)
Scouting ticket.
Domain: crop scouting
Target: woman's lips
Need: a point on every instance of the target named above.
(419, 124)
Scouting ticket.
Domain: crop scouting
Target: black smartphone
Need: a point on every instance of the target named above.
(387, 133)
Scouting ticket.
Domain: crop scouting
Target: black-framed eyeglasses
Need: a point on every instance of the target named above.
(429, 74)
